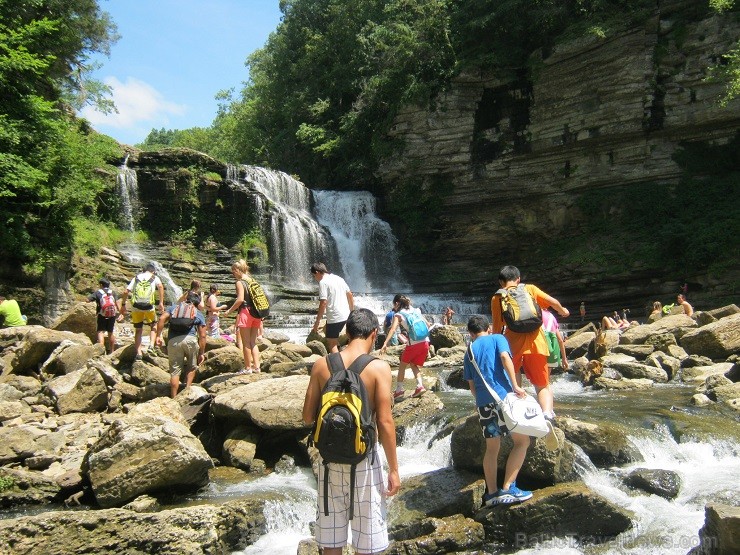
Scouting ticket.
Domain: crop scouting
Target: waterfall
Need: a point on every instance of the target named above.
(367, 247)
(128, 189)
(294, 238)
(338, 228)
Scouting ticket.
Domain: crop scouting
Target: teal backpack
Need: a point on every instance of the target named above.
(418, 328)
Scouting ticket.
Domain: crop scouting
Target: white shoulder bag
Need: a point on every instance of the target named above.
(515, 414)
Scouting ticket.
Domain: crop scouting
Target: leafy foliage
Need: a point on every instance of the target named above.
(47, 158)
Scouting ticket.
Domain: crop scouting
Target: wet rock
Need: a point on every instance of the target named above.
(541, 466)
(605, 444)
(636, 370)
(24, 487)
(454, 534)
(455, 379)
(725, 393)
(202, 529)
(440, 493)
(273, 404)
(564, 510)
(626, 383)
(720, 534)
(700, 400)
(410, 411)
(663, 483)
(717, 340)
(143, 504)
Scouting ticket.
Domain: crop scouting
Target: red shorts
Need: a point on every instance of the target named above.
(535, 368)
(416, 353)
(246, 320)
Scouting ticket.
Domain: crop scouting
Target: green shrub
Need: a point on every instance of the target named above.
(253, 239)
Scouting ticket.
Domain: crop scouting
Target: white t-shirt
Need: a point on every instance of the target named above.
(333, 290)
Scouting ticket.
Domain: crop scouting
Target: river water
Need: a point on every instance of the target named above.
(700, 445)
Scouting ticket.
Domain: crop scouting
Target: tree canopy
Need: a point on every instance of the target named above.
(47, 157)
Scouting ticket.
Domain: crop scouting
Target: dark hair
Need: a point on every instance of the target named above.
(194, 298)
(319, 268)
(214, 288)
(150, 267)
(360, 323)
(104, 282)
(509, 273)
(477, 324)
(402, 300)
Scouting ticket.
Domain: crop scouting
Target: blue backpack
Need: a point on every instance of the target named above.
(418, 328)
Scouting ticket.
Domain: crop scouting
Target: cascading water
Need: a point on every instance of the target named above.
(294, 239)
(128, 189)
(368, 250)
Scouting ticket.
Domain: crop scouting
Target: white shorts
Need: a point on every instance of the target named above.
(369, 525)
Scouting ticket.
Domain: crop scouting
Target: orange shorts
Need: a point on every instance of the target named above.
(535, 368)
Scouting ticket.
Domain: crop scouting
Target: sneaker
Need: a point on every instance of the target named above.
(245, 371)
(398, 393)
(419, 391)
(552, 441)
(512, 495)
(490, 499)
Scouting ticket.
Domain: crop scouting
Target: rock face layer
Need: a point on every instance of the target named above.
(516, 154)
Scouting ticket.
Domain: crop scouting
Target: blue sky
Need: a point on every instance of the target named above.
(173, 57)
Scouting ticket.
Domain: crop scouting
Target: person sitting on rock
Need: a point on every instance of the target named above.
(687, 308)
(10, 314)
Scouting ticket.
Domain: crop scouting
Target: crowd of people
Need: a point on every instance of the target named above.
(500, 353)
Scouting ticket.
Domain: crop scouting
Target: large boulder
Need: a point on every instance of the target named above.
(221, 361)
(541, 466)
(578, 345)
(605, 444)
(445, 336)
(197, 530)
(81, 391)
(411, 411)
(720, 534)
(146, 452)
(454, 534)
(717, 340)
(677, 325)
(38, 344)
(623, 384)
(636, 370)
(70, 356)
(80, 318)
(271, 404)
(23, 487)
(441, 493)
(664, 483)
(699, 374)
(240, 447)
(570, 510)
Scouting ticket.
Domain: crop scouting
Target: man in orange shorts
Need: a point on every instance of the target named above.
(529, 350)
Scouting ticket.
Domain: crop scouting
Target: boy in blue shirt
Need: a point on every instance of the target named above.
(493, 358)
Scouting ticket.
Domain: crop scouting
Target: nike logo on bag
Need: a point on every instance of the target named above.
(530, 416)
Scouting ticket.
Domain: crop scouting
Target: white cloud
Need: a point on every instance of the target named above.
(138, 103)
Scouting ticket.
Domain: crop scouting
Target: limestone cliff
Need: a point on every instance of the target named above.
(516, 153)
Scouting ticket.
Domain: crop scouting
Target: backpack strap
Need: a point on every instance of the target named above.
(336, 364)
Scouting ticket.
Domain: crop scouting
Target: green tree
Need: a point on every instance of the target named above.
(47, 157)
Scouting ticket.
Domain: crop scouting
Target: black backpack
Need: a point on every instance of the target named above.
(344, 431)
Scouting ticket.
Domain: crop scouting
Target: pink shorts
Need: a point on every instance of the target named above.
(416, 353)
(246, 320)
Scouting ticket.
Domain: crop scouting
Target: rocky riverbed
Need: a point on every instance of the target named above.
(92, 447)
